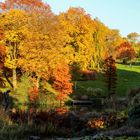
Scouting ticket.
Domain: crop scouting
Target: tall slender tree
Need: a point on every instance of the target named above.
(110, 73)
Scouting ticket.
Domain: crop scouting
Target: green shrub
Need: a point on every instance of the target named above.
(21, 95)
(135, 100)
(134, 116)
(94, 92)
(133, 92)
(47, 95)
(134, 111)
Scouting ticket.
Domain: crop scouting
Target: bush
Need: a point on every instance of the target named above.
(123, 131)
(96, 123)
(115, 119)
(96, 92)
(133, 92)
(47, 95)
(134, 116)
(134, 112)
(4, 118)
(21, 95)
(87, 75)
(135, 100)
(33, 95)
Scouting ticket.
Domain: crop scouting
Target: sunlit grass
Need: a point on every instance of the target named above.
(128, 77)
(133, 68)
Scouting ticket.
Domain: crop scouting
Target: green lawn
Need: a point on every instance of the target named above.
(128, 77)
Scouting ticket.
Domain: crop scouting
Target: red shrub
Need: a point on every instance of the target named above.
(33, 94)
(88, 75)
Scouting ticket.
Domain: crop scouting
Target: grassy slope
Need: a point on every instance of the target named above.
(128, 77)
(83, 85)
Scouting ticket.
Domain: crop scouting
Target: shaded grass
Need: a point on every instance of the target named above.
(82, 86)
(128, 77)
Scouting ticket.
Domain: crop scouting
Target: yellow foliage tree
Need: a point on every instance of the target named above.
(13, 23)
(79, 28)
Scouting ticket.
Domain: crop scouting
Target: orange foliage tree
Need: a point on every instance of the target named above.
(2, 50)
(61, 81)
(110, 73)
(125, 52)
(30, 6)
(33, 94)
(2, 56)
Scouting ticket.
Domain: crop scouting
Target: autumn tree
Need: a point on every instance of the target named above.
(33, 94)
(125, 52)
(113, 40)
(99, 37)
(36, 40)
(104, 44)
(137, 49)
(2, 49)
(133, 37)
(62, 81)
(79, 28)
(30, 6)
(135, 42)
(110, 74)
(14, 26)
(38, 19)
(43, 48)
(2, 56)
(38, 13)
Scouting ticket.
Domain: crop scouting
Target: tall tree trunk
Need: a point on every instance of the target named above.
(14, 79)
(5, 74)
(37, 81)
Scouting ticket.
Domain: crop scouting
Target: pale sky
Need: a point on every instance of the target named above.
(117, 14)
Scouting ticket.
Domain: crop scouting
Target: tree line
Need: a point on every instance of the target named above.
(34, 40)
